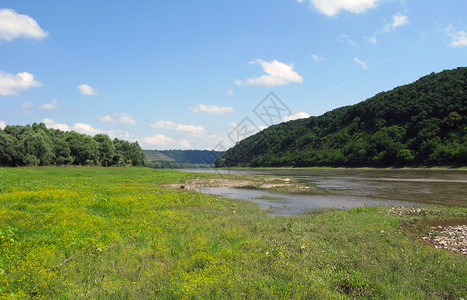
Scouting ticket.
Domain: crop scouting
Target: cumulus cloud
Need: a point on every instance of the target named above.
(14, 25)
(121, 118)
(158, 139)
(107, 119)
(119, 134)
(277, 73)
(213, 109)
(361, 63)
(85, 129)
(398, 20)
(178, 127)
(230, 92)
(185, 144)
(333, 7)
(316, 57)
(458, 38)
(299, 115)
(87, 90)
(125, 119)
(51, 105)
(88, 129)
(2, 124)
(11, 84)
(49, 123)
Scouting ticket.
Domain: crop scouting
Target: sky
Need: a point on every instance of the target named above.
(205, 74)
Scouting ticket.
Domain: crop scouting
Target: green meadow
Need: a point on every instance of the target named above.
(120, 233)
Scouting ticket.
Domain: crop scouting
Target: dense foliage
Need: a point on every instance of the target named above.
(422, 123)
(38, 145)
(177, 159)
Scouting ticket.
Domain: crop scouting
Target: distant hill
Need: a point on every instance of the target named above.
(155, 155)
(181, 158)
(422, 123)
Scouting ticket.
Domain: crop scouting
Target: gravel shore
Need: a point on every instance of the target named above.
(451, 238)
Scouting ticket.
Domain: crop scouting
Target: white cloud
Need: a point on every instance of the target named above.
(107, 119)
(398, 20)
(459, 38)
(125, 119)
(11, 84)
(333, 7)
(316, 57)
(345, 39)
(277, 73)
(361, 63)
(230, 92)
(185, 144)
(158, 139)
(2, 124)
(52, 105)
(178, 127)
(122, 118)
(299, 115)
(49, 123)
(86, 129)
(119, 134)
(87, 90)
(26, 107)
(214, 109)
(372, 39)
(14, 25)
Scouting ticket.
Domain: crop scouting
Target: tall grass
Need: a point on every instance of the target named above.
(116, 233)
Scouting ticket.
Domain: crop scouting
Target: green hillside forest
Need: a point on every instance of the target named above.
(175, 159)
(422, 123)
(37, 145)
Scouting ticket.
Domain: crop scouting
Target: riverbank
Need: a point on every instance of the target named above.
(419, 167)
(121, 233)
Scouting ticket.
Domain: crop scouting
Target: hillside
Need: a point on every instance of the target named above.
(422, 123)
(181, 158)
(155, 155)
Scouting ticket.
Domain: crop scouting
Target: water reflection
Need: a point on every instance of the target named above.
(358, 187)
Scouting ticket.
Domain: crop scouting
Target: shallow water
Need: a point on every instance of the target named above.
(348, 188)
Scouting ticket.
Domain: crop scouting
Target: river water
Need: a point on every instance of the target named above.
(348, 188)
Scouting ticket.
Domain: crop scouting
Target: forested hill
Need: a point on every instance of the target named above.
(181, 158)
(38, 145)
(193, 156)
(422, 123)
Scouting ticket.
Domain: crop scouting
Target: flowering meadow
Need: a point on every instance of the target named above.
(121, 233)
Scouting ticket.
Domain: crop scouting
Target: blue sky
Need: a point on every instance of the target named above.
(198, 74)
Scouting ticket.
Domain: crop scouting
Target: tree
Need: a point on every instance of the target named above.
(83, 148)
(106, 149)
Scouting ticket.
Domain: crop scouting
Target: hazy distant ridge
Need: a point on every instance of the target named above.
(183, 156)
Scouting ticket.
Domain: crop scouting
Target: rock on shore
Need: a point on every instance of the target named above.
(451, 238)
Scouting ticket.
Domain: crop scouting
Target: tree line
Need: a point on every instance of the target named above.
(422, 123)
(37, 145)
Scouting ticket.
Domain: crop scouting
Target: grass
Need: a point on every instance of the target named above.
(118, 233)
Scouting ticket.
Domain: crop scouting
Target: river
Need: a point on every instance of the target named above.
(348, 188)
